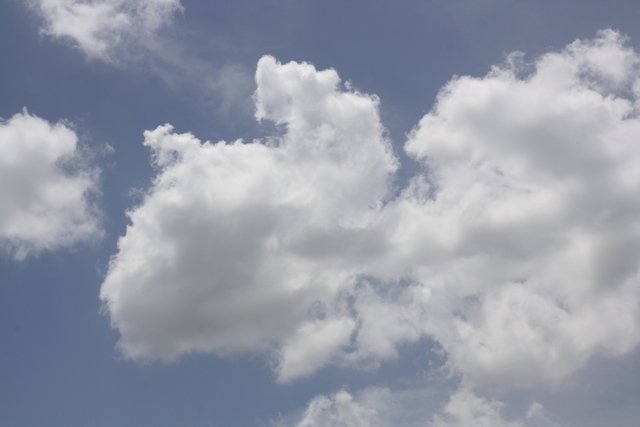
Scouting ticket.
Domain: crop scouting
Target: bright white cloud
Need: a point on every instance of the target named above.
(530, 246)
(516, 250)
(99, 27)
(238, 245)
(45, 187)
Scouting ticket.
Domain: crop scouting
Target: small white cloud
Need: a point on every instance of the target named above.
(137, 33)
(466, 409)
(99, 27)
(45, 188)
(338, 410)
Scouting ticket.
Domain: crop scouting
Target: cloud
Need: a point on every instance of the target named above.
(313, 346)
(136, 34)
(45, 187)
(530, 245)
(236, 243)
(339, 410)
(515, 247)
(465, 408)
(412, 407)
(99, 28)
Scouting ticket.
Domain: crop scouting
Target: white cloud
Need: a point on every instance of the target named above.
(516, 249)
(100, 27)
(137, 34)
(313, 346)
(385, 321)
(465, 409)
(338, 410)
(45, 188)
(530, 246)
(235, 243)
(413, 407)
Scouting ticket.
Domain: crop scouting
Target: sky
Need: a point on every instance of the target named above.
(319, 213)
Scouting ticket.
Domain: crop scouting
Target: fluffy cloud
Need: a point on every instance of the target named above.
(515, 248)
(237, 245)
(530, 245)
(99, 27)
(45, 188)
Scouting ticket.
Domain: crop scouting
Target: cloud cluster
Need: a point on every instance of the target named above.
(45, 187)
(515, 247)
(100, 27)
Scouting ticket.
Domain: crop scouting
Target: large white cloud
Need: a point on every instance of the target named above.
(237, 244)
(100, 27)
(516, 249)
(530, 246)
(46, 188)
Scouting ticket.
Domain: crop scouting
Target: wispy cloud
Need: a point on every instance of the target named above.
(101, 29)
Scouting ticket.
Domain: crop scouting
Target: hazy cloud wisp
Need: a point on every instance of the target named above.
(100, 27)
(235, 242)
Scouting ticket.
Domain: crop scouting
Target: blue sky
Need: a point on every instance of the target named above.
(438, 232)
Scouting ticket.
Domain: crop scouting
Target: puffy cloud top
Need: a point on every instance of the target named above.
(45, 188)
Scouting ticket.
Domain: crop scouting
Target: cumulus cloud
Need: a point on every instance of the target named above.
(100, 27)
(530, 246)
(45, 187)
(237, 243)
(515, 248)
